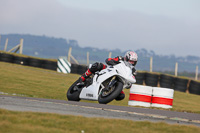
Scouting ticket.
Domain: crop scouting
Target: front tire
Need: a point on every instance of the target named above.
(106, 99)
(72, 94)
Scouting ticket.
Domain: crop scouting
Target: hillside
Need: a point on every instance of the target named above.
(51, 47)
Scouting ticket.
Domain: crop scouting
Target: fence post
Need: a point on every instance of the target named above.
(18, 47)
(176, 69)
(6, 44)
(87, 58)
(110, 54)
(69, 54)
(21, 46)
(151, 64)
(196, 75)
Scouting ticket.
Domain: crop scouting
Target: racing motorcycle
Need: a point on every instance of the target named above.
(103, 86)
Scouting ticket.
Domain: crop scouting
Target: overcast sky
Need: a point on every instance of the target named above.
(164, 26)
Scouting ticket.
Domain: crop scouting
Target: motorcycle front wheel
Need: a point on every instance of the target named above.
(106, 98)
(74, 92)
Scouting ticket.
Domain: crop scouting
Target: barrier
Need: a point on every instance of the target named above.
(194, 87)
(140, 96)
(180, 84)
(166, 81)
(162, 97)
(20, 60)
(51, 65)
(82, 69)
(74, 68)
(140, 77)
(6, 57)
(63, 65)
(34, 62)
(151, 79)
(147, 96)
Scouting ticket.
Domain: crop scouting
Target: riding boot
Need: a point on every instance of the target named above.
(85, 75)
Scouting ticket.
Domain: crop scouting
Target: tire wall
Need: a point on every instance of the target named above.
(74, 68)
(140, 77)
(180, 84)
(6, 57)
(194, 87)
(41, 63)
(151, 79)
(166, 81)
(20, 60)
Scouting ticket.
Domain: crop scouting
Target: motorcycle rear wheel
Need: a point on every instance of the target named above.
(73, 95)
(106, 99)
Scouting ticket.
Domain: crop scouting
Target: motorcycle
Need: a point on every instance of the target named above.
(103, 86)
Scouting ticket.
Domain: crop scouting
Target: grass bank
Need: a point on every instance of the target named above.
(23, 122)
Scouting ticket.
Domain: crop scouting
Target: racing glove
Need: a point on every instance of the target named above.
(114, 61)
(121, 58)
(134, 72)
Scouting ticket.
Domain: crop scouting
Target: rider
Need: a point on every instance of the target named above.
(130, 57)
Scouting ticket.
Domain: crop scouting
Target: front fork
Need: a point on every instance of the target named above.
(110, 85)
(112, 82)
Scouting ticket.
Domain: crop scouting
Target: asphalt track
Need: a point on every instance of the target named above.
(97, 110)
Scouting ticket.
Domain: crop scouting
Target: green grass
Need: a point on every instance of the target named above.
(27, 122)
(41, 83)
(34, 82)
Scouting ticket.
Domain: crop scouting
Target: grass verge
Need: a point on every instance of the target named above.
(23, 122)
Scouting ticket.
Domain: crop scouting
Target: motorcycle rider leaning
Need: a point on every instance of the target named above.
(130, 57)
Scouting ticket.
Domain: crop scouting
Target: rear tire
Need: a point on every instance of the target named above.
(117, 90)
(73, 95)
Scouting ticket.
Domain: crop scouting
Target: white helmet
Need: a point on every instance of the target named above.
(131, 57)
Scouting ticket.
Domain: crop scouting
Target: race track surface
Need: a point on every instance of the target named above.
(97, 110)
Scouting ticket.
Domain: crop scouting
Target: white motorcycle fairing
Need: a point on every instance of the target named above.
(121, 70)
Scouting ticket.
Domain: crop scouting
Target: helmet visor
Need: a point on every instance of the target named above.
(132, 62)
